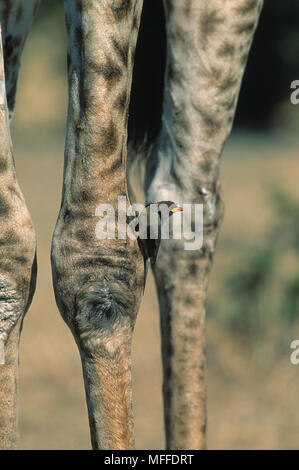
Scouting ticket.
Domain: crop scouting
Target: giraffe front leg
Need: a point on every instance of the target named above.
(208, 44)
(17, 275)
(98, 282)
(16, 17)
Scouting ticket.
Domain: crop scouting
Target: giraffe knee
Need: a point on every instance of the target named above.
(104, 309)
(100, 312)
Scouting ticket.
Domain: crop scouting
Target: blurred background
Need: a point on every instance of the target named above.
(253, 302)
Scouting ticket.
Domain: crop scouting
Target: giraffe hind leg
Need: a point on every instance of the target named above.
(208, 45)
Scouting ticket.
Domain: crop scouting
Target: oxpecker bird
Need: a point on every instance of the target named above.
(150, 245)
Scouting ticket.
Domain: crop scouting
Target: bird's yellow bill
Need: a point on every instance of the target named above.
(177, 209)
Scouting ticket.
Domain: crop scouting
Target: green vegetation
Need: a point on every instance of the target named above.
(260, 287)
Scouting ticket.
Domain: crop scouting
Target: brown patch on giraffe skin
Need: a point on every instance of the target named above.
(121, 9)
(209, 22)
(88, 5)
(211, 255)
(3, 165)
(187, 300)
(21, 259)
(17, 41)
(178, 35)
(111, 168)
(169, 5)
(229, 104)
(181, 146)
(190, 339)
(216, 73)
(227, 49)
(67, 250)
(173, 74)
(9, 238)
(121, 101)
(4, 207)
(6, 266)
(14, 60)
(84, 98)
(77, 214)
(107, 142)
(66, 216)
(19, 13)
(181, 120)
(136, 23)
(246, 7)
(212, 125)
(6, 13)
(193, 268)
(83, 235)
(187, 8)
(121, 250)
(208, 162)
(77, 127)
(98, 259)
(86, 196)
(110, 71)
(227, 82)
(203, 252)
(121, 50)
(244, 59)
(36, 7)
(245, 28)
(13, 191)
(192, 323)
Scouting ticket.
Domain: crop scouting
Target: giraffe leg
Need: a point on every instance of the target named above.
(17, 275)
(208, 44)
(16, 17)
(98, 283)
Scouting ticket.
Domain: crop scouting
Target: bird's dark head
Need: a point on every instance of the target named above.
(172, 206)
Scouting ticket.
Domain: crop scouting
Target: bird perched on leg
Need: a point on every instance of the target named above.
(150, 231)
